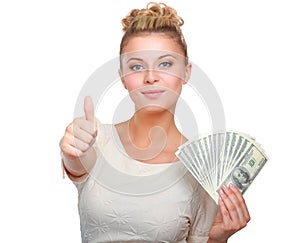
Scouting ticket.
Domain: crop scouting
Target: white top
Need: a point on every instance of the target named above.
(124, 200)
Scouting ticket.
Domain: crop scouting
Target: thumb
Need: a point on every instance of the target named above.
(89, 109)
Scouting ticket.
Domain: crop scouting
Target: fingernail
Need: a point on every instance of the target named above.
(231, 186)
(220, 200)
(221, 192)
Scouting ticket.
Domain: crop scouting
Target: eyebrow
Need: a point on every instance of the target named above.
(134, 59)
(167, 55)
(140, 59)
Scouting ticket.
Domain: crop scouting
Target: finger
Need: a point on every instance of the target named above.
(242, 202)
(83, 132)
(75, 147)
(237, 207)
(80, 145)
(229, 204)
(84, 125)
(224, 212)
(71, 151)
(77, 141)
(89, 109)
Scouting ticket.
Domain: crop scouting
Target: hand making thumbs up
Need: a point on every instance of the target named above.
(81, 133)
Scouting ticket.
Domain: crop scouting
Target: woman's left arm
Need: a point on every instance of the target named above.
(232, 216)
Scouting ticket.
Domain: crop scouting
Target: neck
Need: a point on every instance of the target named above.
(151, 136)
(143, 121)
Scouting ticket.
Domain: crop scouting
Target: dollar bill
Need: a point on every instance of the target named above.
(223, 158)
(245, 171)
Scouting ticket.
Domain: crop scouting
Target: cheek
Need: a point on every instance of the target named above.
(133, 82)
(174, 84)
(178, 87)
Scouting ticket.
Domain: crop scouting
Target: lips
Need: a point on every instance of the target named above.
(153, 94)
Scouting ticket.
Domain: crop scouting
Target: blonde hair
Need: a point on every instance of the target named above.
(155, 18)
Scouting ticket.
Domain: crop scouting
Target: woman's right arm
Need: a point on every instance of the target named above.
(78, 153)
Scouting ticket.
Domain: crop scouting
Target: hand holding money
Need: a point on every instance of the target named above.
(222, 159)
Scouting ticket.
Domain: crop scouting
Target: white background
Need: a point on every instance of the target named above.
(249, 49)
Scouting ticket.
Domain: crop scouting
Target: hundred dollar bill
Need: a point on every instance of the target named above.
(245, 171)
(223, 158)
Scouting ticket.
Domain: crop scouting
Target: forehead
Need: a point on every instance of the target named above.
(150, 47)
(152, 41)
(152, 56)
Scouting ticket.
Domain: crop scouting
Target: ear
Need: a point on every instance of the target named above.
(122, 78)
(187, 74)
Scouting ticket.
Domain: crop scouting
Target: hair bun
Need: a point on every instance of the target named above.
(154, 16)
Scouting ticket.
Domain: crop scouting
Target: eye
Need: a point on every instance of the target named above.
(137, 67)
(165, 64)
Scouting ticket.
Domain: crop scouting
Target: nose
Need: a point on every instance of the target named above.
(151, 77)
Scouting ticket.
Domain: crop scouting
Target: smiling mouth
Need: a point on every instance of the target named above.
(153, 94)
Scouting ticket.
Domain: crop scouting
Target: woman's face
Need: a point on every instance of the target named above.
(153, 70)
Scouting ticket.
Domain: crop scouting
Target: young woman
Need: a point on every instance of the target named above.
(131, 185)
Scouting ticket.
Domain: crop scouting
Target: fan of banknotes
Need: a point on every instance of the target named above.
(223, 158)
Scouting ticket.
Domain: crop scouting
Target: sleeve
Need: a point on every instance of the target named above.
(80, 184)
(204, 210)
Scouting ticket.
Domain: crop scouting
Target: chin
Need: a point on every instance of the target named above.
(155, 109)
